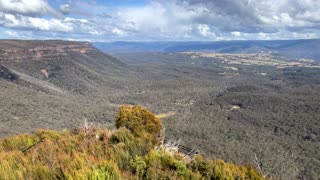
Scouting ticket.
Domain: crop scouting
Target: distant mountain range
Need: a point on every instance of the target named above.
(303, 48)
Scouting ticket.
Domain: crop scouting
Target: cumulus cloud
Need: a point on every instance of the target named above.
(18, 34)
(65, 8)
(166, 20)
(26, 7)
(205, 31)
(25, 22)
(158, 19)
(118, 32)
(261, 15)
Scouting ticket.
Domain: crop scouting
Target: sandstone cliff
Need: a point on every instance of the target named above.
(14, 50)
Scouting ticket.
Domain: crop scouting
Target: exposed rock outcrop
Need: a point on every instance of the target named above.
(13, 50)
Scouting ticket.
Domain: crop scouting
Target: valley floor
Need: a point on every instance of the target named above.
(240, 113)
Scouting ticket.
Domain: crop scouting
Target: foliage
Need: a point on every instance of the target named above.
(141, 122)
(91, 153)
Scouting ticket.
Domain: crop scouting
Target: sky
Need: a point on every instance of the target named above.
(159, 20)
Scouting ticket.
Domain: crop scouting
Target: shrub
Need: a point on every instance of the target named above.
(124, 147)
(107, 171)
(19, 142)
(219, 169)
(91, 153)
(140, 121)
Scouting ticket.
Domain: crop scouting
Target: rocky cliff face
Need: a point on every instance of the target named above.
(15, 51)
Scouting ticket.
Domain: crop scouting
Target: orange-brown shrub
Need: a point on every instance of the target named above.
(93, 153)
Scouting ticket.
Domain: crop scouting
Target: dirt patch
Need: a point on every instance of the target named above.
(165, 115)
(235, 107)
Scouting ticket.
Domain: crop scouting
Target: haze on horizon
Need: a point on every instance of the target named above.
(158, 20)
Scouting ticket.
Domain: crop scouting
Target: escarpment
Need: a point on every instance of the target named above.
(77, 67)
(37, 51)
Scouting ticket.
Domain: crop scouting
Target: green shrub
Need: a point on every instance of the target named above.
(106, 171)
(140, 121)
(19, 142)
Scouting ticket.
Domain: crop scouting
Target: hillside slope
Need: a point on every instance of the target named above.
(74, 66)
(52, 84)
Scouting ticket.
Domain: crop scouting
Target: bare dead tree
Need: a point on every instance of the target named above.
(259, 165)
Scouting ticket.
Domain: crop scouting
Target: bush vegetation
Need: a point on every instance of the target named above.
(130, 152)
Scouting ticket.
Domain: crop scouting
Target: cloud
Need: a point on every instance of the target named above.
(236, 33)
(164, 20)
(82, 8)
(104, 15)
(118, 32)
(18, 34)
(12, 34)
(221, 20)
(65, 8)
(26, 7)
(157, 19)
(257, 15)
(205, 31)
(146, 19)
(25, 22)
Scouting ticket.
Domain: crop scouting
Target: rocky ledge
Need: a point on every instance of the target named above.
(40, 50)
